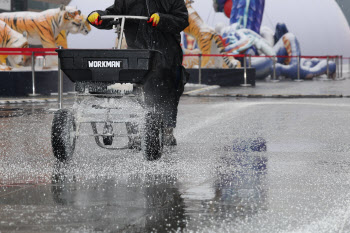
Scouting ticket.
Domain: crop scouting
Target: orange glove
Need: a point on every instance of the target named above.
(95, 19)
(155, 18)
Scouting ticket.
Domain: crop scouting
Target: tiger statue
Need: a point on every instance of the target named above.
(209, 42)
(61, 39)
(191, 61)
(44, 27)
(11, 39)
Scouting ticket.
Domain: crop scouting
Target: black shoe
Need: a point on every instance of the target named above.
(169, 138)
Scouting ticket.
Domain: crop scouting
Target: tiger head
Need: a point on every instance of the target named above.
(85, 26)
(70, 19)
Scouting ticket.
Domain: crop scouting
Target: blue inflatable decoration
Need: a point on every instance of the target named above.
(243, 37)
(248, 13)
(281, 30)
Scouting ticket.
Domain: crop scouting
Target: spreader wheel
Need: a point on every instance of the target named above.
(63, 135)
(153, 137)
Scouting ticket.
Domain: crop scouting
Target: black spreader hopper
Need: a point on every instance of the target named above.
(108, 65)
(105, 106)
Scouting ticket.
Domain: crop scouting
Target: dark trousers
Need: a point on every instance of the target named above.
(163, 91)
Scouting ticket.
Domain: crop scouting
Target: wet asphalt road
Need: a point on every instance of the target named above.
(241, 165)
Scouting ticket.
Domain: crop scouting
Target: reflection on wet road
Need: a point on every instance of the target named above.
(240, 166)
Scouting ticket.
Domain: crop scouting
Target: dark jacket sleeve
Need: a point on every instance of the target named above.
(177, 19)
(115, 9)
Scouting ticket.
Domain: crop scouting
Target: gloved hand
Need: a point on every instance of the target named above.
(95, 19)
(155, 18)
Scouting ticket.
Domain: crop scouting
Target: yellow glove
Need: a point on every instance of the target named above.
(155, 18)
(95, 19)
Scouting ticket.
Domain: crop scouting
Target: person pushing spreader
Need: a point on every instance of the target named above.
(139, 87)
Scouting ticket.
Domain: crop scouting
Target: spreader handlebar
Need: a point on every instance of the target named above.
(123, 18)
(115, 17)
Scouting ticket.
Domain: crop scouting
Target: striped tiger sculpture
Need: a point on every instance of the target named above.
(191, 61)
(209, 42)
(85, 28)
(11, 39)
(44, 27)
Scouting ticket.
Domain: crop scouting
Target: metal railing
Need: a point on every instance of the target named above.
(337, 58)
(33, 53)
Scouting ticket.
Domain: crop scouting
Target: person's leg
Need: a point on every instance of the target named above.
(174, 90)
(169, 113)
(163, 92)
